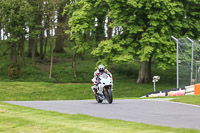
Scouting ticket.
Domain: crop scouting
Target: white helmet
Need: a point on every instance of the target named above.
(101, 68)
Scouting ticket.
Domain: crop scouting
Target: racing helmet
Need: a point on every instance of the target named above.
(101, 68)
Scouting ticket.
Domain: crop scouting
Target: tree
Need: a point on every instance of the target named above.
(49, 21)
(147, 27)
(15, 18)
(41, 6)
(43, 20)
(1, 26)
(86, 24)
(34, 29)
(109, 29)
(49, 25)
(62, 21)
(51, 65)
(46, 22)
(191, 21)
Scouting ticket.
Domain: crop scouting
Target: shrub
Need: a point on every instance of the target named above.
(14, 70)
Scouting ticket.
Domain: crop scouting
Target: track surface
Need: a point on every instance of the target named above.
(154, 112)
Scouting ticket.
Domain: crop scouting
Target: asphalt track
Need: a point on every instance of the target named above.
(155, 112)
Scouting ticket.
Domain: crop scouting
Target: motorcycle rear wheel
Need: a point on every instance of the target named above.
(98, 99)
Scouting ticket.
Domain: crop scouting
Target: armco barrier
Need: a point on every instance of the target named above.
(178, 92)
(188, 90)
(158, 94)
(193, 89)
(171, 92)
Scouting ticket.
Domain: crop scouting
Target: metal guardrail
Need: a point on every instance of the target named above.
(188, 90)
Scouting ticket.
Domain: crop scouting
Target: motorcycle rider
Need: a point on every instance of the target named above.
(101, 69)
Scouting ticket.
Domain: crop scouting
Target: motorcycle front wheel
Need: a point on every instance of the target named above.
(109, 96)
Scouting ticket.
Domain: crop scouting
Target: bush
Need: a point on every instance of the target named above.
(14, 70)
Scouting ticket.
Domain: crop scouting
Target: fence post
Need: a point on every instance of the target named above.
(177, 54)
(192, 58)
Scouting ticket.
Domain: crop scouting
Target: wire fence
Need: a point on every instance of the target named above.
(188, 62)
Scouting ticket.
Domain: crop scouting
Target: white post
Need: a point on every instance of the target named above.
(155, 79)
(192, 58)
(177, 55)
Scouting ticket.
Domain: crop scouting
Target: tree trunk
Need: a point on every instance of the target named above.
(51, 66)
(30, 44)
(0, 34)
(145, 72)
(40, 21)
(30, 47)
(74, 62)
(14, 67)
(13, 54)
(66, 36)
(46, 43)
(33, 52)
(59, 48)
(47, 28)
(109, 29)
(61, 28)
(22, 50)
(41, 44)
(5, 35)
(100, 35)
(115, 31)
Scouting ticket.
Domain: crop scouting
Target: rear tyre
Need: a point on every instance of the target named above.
(98, 99)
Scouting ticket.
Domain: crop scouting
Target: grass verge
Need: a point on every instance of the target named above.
(15, 91)
(31, 91)
(190, 99)
(23, 119)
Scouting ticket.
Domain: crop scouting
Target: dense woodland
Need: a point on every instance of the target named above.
(118, 31)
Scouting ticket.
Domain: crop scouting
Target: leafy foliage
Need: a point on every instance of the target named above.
(15, 15)
(191, 23)
(15, 18)
(147, 29)
(140, 30)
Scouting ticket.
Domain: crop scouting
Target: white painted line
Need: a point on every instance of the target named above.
(160, 99)
(180, 103)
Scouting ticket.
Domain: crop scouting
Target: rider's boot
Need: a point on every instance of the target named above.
(100, 94)
(94, 91)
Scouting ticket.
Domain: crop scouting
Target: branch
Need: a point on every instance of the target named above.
(4, 53)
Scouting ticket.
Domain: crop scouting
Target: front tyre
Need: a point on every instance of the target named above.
(109, 96)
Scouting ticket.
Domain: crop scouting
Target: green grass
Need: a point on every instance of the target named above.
(63, 72)
(10, 91)
(15, 119)
(43, 91)
(16, 91)
(190, 99)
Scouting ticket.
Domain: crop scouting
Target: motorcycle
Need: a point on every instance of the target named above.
(105, 85)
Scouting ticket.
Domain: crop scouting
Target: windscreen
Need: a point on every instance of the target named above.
(105, 76)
